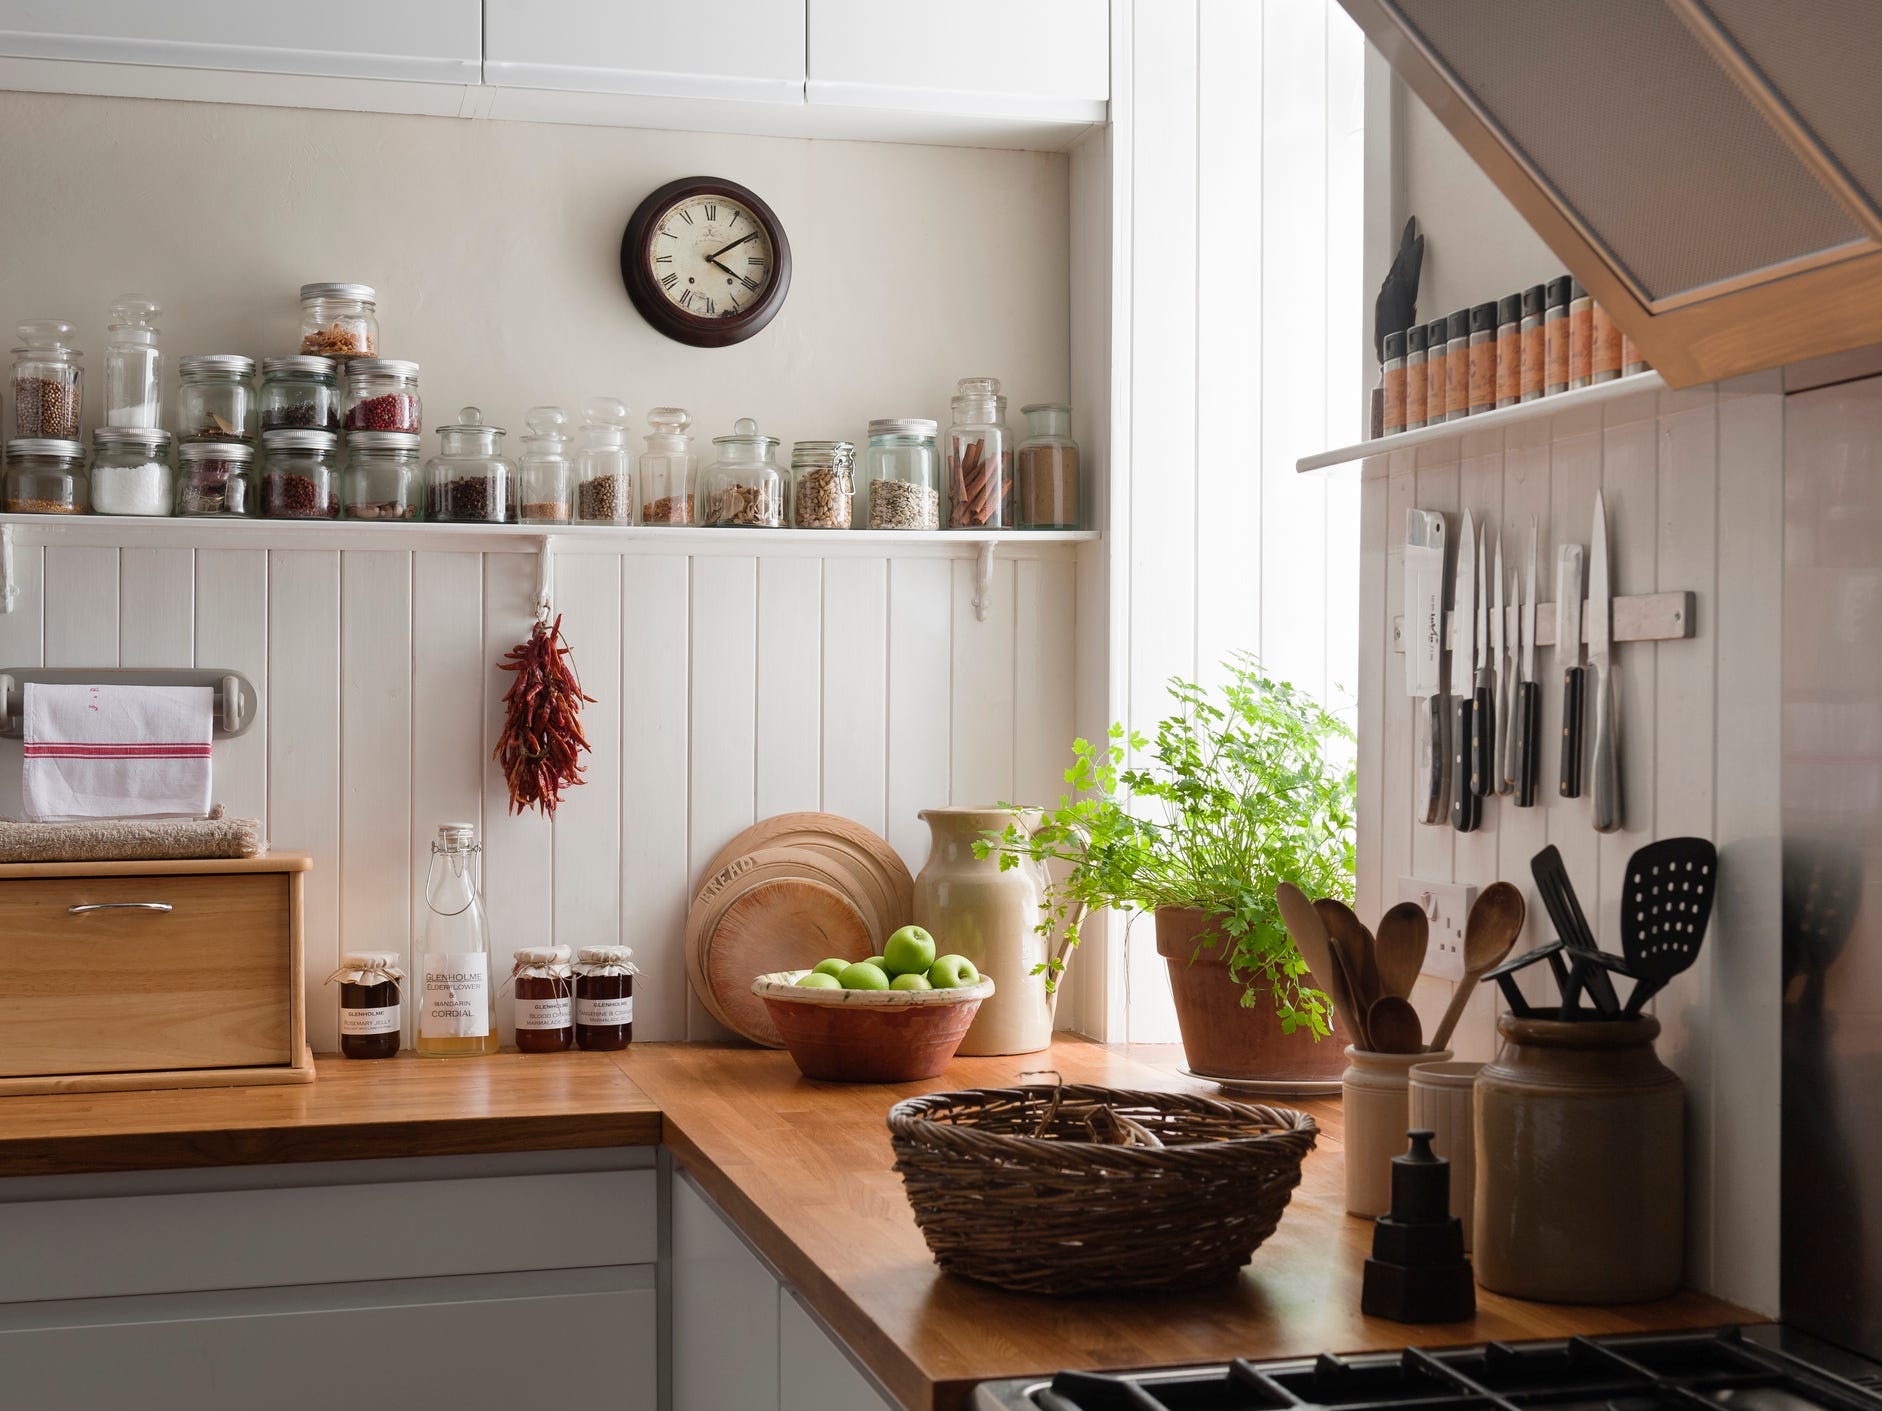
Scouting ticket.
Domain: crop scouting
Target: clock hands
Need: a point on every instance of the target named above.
(713, 258)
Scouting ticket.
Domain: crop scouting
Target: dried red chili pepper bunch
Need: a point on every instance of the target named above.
(542, 741)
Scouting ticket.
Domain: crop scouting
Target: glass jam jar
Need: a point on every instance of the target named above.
(544, 992)
(604, 997)
(132, 471)
(298, 393)
(45, 475)
(215, 397)
(604, 467)
(383, 475)
(339, 321)
(1045, 471)
(823, 484)
(371, 988)
(48, 382)
(743, 488)
(980, 457)
(215, 478)
(470, 481)
(382, 395)
(300, 475)
(901, 475)
(548, 479)
(668, 468)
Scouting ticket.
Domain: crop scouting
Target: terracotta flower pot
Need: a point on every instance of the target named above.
(1221, 1037)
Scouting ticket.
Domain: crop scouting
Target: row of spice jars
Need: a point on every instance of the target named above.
(217, 399)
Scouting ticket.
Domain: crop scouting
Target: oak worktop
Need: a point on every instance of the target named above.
(805, 1170)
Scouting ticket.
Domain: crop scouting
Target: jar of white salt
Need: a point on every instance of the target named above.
(132, 471)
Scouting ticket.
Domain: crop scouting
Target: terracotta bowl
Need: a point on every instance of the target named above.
(869, 1036)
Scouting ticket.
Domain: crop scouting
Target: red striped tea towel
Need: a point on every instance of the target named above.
(117, 752)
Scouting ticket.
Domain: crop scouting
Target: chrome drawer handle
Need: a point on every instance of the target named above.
(119, 906)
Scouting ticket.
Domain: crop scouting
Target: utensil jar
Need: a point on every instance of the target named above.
(1441, 1104)
(1375, 1105)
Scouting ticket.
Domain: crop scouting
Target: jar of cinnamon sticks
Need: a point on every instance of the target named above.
(980, 458)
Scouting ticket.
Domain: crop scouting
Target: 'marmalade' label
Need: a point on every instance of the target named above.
(457, 996)
(605, 1012)
(383, 1020)
(543, 1013)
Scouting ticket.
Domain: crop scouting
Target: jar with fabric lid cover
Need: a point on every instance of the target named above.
(371, 990)
(132, 471)
(544, 994)
(604, 997)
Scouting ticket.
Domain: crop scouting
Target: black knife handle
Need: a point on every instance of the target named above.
(1528, 726)
(1483, 743)
(1464, 804)
(1571, 733)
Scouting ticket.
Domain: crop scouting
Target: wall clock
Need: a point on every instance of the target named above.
(705, 261)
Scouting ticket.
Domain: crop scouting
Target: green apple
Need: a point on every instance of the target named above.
(832, 967)
(879, 962)
(952, 971)
(864, 976)
(910, 951)
(910, 982)
(818, 980)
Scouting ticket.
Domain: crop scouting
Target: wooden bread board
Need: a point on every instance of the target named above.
(880, 873)
(757, 922)
(814, 864)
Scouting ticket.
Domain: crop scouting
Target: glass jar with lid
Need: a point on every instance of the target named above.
(382, 476)
(133, 364)
(543, 988)
(980, 457)
(668, 468)
(604, 997)
(743, 487)
(1045, 469)
(215, 478)
(300, 477)
(48, 382)
(470, 481)
(548, 479)
(457, 1003)
(371, 988)
(215, 397)
(46, 475)
(132, 471)
(299, 393)
(382, 395)
(604, 467)
(339, 321)
(823, 484)
(901, 476)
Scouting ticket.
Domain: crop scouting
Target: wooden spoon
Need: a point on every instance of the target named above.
(1404, 933)
(1495, 920)
(1355, 948)
(1309, 933)
(1394, 1026)
(1348, 999)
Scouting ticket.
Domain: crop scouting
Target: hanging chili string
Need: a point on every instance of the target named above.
(542, 741)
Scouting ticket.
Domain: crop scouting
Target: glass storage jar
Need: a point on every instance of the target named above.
(668, 468)
(604, 467)
(299, 393)
(823, 484)
(215, 478)
(133, 364)
(132, 471)
(470, 481)
(901, 480)
(548, 479)
(980, 457)
(300, 474)
(457, 1003)
(382, 476)
(339, 321)
(604, 997)
(48, 382)
(1045, 469)
(743, 487)
(543, 992)
(215, 397)
(382, 395)
(371, 988)
(46, 475)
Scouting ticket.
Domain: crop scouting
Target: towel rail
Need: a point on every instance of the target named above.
(237, 701)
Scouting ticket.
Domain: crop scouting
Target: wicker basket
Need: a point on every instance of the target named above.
(1077, 1189)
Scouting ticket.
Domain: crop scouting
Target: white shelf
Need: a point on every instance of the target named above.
(1561, 402)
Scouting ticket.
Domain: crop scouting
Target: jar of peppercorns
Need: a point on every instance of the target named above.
(544, 991)
(339, 321)
(470, 481)
(299, 475)
(299, 393)
(383, 476)
(382, 395)
(604, 997)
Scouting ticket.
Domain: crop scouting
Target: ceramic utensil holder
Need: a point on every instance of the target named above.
(1441, 1103)
(1375, 1101)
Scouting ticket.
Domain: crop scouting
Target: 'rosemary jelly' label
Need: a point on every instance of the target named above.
(383, 1019)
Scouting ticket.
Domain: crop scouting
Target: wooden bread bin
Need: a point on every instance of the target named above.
(118, 975)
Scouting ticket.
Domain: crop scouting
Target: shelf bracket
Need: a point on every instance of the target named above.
(983, 581)
(9, 590)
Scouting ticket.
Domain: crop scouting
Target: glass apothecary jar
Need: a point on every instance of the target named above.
(901, 474)
(543, 988)
(215, 478)
(823, 484)
(457, 1003)
(300, 394)
(980, 457)
(604, 467)
(548, 478)
(470, 481)
(604, 997)
(132, 471)
(383, 476)
(133, 364)
(382, 395)
(668, 468)
(1045, 469)
(300, 475)
(48, 382)
(339, 321)
(215, 397)
(743, 488)
(46, 475)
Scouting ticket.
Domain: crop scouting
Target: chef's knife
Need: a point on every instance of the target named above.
(1606, 768)
(1424, 654)
(1483, 709)
(1568, 653)
(1466, 808)
(1528, 691)
(1500, 774)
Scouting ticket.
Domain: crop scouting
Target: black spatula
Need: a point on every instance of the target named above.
(1664, 911)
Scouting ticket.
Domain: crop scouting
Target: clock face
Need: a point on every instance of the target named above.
(705, 261)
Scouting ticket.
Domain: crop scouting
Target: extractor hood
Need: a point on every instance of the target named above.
(1711, 170)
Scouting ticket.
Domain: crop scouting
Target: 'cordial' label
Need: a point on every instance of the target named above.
(457, 996)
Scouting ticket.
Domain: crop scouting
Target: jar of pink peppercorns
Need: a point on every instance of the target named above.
(382, 395)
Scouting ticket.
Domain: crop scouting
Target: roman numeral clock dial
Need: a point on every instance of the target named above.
(706, 262)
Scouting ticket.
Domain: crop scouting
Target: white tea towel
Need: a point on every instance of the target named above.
(117, 752)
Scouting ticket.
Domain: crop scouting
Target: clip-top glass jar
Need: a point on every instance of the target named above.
(980, 458)
(382, 476)
(298, 393)
(604, 467)
(457, 1014)
(901, 479)
(1046, 469)
(48, 382)
(215, 478)
(133, 364)
(215, 397)
(548, 479)
(131, 471)
(371, 987)
(382, 395)
(743, 487)
(470, 481)
(339, 321)
(300, 475)
(544, 995)
(46, 475)
(823, 484)
(667, 468)
(604, 997)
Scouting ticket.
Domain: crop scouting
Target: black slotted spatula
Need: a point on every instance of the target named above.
(1664, 910)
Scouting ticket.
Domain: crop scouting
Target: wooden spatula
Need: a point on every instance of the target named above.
(1354, 946)
(1404, 934)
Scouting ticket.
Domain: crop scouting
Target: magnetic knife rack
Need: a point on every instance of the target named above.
(1646, 617)
(237, 701)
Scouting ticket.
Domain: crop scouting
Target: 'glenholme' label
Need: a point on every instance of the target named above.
(605, 1011)
(457, 996)
(552, 1013)
(382, 1020)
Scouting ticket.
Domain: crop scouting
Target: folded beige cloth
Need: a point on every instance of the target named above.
(132, 839)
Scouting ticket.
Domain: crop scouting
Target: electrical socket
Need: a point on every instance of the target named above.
(1446, 904)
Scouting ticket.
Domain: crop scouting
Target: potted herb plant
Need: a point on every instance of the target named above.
(1239, 789)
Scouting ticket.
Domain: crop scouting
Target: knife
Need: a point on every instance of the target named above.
(1606, 767)
(1568, 652)
(1528, 692)
(1466, 808)
(1424, 654)
(1500, 775)
(1483, 710)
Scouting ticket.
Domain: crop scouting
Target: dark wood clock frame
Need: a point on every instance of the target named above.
(676, 323)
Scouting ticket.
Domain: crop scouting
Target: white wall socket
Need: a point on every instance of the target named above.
(1446, 904)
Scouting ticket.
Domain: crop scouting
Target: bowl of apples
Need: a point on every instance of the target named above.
(893, 1018)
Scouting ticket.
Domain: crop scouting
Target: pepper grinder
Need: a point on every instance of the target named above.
(1418, 1272)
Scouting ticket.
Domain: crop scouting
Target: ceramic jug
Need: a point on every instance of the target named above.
(973, 908)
